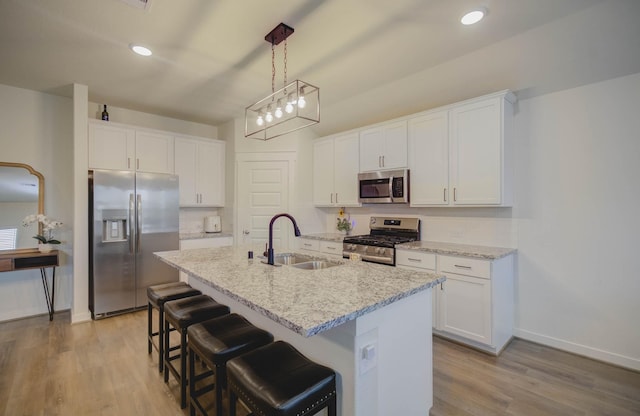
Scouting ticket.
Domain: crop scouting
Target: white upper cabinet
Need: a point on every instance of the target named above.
(111, 146)
(384, 147)
(121, 147)
(461, 155)
(200, 165)
(154, 152)
(335, 171)
(429, 159)
(480, 145)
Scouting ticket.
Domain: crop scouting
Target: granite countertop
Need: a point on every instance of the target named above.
(305, 301)
(200, 235)
(465, 250)
(337, 237)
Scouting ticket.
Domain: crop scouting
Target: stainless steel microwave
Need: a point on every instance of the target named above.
(384, 187)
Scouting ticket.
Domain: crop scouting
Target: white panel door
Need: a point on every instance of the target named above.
(263, 191)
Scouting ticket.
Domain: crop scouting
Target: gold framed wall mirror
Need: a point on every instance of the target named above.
(21, 194)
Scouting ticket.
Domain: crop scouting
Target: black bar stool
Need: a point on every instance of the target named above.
(157, 295)
(277, 380)
(180, 314)
(216, 341)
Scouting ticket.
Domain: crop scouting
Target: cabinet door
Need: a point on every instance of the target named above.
(185, 168)
(429, 159)
(154, 152)
(111, 147)
(371, 148)
(323, 172)
(394, 154)
(210, 173)
(476, 145)
(345, 170)
(465, 307)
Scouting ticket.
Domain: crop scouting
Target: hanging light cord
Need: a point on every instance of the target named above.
(285, 66)
(273, 68)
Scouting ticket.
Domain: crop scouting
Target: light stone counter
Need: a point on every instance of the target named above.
(337, 237)
(307, 302)
(202, 235)
(480, 252)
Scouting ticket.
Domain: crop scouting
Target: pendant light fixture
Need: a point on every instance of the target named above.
(291, 108)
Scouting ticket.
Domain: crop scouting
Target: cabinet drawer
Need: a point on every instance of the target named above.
(415, 258)
(465, 266)
(331, 247)
(305, 244)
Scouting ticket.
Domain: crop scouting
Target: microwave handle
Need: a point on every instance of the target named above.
(391, 188)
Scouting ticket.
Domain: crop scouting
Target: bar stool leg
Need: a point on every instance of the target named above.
(150, 328)
(183, 368)
(166, 349)
(160, 339)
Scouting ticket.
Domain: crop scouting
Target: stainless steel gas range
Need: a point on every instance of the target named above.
(379, 245)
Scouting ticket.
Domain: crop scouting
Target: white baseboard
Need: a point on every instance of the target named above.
(80, 317)
(584, 350)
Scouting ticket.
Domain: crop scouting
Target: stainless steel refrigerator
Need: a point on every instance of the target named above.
(132, 215)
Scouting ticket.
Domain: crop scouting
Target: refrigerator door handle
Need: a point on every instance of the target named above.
(138, 222)
(132, 210)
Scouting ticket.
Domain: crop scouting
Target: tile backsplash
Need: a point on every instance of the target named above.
(192, 219)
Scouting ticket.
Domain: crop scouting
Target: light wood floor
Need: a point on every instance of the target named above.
(102, 368)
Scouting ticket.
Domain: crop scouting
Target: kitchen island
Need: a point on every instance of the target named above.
(371, 323)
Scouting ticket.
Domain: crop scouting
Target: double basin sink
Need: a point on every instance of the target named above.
(303, 261)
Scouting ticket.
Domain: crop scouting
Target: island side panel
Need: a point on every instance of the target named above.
(402, 378)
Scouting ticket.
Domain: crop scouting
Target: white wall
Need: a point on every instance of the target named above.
(577, 204)
(37, 130)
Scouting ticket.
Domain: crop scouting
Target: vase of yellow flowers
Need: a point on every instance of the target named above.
(344, 224)
(46, 241)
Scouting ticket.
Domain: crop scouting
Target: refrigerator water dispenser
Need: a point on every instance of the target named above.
(114, 229)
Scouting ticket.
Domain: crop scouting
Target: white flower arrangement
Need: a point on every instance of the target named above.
(48, 226)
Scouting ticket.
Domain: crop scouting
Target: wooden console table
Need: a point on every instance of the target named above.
(33, 259)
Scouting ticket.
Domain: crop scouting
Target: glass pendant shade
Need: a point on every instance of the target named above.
(302, 110)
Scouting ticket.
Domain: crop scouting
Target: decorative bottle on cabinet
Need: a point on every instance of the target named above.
(105, 114)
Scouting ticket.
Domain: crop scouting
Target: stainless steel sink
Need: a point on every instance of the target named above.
(291, 258)
(302, 261)
(315, 265)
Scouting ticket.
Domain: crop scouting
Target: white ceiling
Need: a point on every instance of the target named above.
(210, 58)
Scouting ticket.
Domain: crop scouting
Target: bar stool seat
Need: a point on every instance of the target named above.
(180, 314)
(277, 380)
(157, 295)
(216, 341)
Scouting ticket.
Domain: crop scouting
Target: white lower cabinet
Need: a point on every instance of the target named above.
(321, 246)
(474, 305)
(203, 243)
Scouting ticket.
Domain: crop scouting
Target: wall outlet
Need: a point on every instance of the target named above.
(368, 357)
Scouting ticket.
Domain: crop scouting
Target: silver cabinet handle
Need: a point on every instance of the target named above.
(336, 197)
(462, 267)
(332, 197)
(444, 193)
(379, 161)
(137, 164)
(330, 248)
(128, 163)
(307, 244)
(454, 195)
(382, 161)
(416, 260)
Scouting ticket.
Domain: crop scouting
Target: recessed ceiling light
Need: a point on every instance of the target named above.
(473, 16)
(140, 50)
